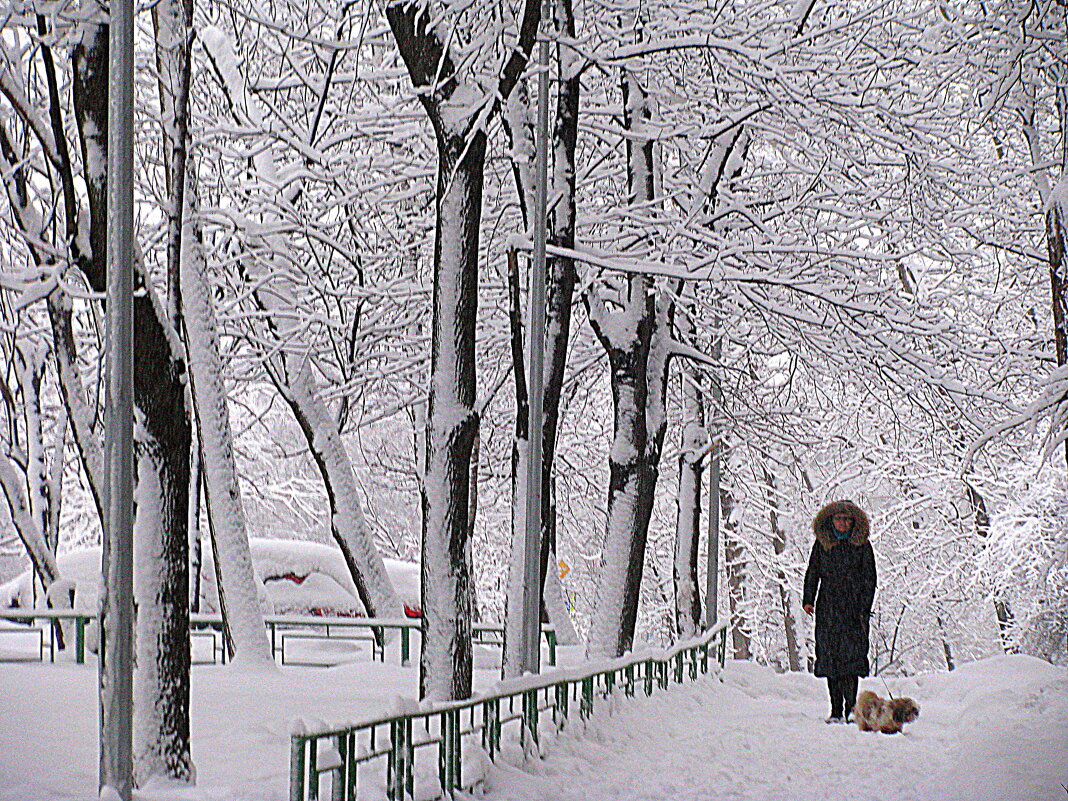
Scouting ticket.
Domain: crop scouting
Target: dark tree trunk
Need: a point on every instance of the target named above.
(1002, 609)
(734, 564)
(162, 681)
(778, 541)
(1056, 237)
(445, 663)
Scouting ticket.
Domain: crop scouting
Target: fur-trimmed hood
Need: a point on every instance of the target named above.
(823, 526)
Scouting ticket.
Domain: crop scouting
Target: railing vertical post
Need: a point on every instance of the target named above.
(352, 766)
(405, 646)
(630, 681)
(79, 640)
(649, 668)
(296, 768)
(313, 769)
(444, 746)
(337, 781)
(530, 716)
(449, 751)
(394, 783)
(490, 716)
(586, 707)
(409, 758)
(560, 710)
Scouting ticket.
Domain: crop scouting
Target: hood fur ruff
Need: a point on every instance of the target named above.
(823, 526)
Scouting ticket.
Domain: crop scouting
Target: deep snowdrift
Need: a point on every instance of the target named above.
(995, 729)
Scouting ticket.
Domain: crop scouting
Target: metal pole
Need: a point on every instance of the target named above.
(116, 666)
(532, 584)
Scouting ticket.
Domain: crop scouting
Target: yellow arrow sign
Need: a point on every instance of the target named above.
(565, 568)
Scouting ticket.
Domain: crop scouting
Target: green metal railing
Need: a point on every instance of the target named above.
(279, 627)
(336, 756)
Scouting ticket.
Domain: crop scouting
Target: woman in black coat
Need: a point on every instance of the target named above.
(839, 589)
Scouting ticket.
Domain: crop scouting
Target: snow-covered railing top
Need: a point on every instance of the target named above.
(351, 754)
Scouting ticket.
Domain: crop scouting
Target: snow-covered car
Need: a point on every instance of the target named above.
(295, 577)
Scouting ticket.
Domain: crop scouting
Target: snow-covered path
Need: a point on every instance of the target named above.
(995, 730)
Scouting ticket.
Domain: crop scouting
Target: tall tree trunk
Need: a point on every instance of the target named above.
(246, 634)
(445, 664)
(688, 521)
(778, 541)
(734, 564)
(1056, 239)
(161, 584)
(445, 667)
(638, 342)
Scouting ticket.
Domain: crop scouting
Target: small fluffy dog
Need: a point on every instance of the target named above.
(873, 713)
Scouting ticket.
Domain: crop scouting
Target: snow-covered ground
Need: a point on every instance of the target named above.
(995, 730)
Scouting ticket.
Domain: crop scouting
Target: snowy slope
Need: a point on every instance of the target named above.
(992, 730)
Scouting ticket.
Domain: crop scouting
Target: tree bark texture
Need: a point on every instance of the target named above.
(161, 681)
(1056, 238)
(688, 520)
(778, 541)
(734, 564)
(561, 278)
(638, 342)
(452, 421)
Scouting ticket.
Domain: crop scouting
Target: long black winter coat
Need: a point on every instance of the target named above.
(840, 580)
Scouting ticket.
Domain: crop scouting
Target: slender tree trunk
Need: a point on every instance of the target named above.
(71, 389)
(778, 541)
(445, 664)
(41, 558)
(191, 311)
(196, 553)
(947, 649)
(561, 278)
(734, 562)
(1056, 239)
(246, 634)
(688, 522)
(1002, 609)
(32, 371)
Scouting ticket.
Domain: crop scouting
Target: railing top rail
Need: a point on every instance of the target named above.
(46, 614)
(512, 687)
(359, 622)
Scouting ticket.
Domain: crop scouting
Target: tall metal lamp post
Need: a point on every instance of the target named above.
(530, 660)
(117, 630)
